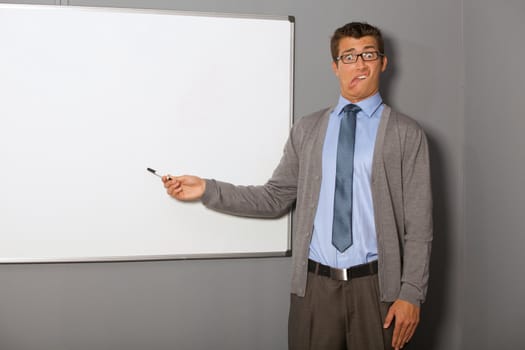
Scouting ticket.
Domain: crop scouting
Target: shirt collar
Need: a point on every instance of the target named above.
(368, 106)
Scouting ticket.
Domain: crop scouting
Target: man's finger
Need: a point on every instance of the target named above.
(402, 334)
(388, 319)
(396, 335)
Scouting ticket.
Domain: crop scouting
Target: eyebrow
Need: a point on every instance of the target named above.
(364, 48)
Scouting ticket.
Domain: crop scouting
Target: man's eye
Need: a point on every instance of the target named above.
(368, 55)
(348, 57)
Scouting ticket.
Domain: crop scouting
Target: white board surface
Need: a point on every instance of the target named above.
(91, 97)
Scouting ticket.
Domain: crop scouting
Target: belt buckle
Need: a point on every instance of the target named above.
(339, 274)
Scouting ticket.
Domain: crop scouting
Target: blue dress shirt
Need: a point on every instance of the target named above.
(364, 247)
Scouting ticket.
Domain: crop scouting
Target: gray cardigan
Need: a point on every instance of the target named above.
(400, 190)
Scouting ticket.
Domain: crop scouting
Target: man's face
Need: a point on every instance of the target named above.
(358, 80)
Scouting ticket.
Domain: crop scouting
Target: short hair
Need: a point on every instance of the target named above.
(355, 30)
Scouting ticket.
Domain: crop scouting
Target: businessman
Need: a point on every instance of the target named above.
(358, 175)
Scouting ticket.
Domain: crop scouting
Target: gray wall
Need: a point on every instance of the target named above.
(494, 175)
(436, 75)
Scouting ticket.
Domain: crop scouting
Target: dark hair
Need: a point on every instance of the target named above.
(355, 30)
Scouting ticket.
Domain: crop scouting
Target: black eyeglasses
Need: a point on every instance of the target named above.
(347, 58)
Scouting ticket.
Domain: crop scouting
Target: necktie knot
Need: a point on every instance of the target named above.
(351, 109)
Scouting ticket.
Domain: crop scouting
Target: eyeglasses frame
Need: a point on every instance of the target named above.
(379, 54)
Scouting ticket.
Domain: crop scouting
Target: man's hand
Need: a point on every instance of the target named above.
(184, 188)
(406, 320)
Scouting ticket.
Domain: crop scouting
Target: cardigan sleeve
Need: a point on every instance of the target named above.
(417, 205)
(273, 199)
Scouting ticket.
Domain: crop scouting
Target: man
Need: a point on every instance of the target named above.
(358, 174)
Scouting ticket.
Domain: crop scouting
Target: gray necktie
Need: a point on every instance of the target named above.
(342, 227)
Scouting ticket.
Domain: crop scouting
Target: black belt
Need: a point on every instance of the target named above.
(343, 274)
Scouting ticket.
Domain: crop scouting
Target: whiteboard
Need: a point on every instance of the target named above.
(91, 97)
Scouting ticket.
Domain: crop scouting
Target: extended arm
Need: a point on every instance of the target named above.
(272, 199)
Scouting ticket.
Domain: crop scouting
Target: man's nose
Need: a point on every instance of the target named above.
(360, 61)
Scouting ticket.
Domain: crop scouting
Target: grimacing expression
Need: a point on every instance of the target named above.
(359, 80)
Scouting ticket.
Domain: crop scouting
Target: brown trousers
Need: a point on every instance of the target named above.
(339, 315)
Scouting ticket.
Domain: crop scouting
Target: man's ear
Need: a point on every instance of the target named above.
(335, 68)
(384, 63)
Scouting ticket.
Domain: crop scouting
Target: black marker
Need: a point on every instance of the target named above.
(154, 172)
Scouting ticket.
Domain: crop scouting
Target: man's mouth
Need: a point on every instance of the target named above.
(359, 78)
